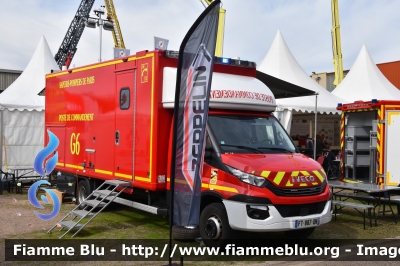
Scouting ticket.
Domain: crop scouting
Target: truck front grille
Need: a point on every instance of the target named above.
(291, 210)
(308, 191)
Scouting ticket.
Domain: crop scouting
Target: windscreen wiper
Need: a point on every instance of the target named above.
(243, 147)
(275, 149)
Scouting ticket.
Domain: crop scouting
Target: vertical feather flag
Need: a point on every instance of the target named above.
(193, 86)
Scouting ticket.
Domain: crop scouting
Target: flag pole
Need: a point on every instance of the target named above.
(177, 106)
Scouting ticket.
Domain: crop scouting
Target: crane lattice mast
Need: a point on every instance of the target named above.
(117, 34)
(69, 45)
(336, 44)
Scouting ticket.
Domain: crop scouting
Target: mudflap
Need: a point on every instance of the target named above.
(66, 183)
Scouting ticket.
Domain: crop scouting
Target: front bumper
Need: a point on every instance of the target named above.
(239, 220)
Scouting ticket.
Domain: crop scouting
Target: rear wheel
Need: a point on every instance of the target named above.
(83, 192)
(214, 225)
(300, 233)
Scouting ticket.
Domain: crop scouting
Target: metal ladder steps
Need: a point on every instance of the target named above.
(99, 199)
(94, 203)
(117, 182)
(104, 193)
(82, 213)
(70, 224)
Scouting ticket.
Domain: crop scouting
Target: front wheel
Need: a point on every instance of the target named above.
(300, 233)
(214, 225)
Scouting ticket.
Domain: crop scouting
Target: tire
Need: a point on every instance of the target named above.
(215, 230)
(82, 192)
(300, 233)
(182, 233)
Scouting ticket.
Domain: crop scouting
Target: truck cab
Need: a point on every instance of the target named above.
(254, 173)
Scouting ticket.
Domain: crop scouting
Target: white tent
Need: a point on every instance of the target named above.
(366, 82)
(280, 63)
(22, 111)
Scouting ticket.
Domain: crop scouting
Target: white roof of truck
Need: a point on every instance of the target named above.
(227, 92)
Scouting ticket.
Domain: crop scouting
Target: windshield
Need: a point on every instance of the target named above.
(244, 134)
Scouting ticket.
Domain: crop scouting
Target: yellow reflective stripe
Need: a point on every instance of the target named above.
(151, 116)
(278, 177)
(314, 183)
(388, 182)
(303, 185)
(288, 184)
(390, 117)
(229, 189)
(60, 164)
(210, 186)
(169, 180)
(320, 177)
(144, 179)
(123, 175)
(103, 172)
(74, 166)
(304, 172)
(114, 62)
(265, 173)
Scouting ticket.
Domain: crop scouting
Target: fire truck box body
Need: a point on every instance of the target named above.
(114, 121)
(370, 142)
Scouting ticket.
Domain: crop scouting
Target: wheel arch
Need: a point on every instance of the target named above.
(209, 197)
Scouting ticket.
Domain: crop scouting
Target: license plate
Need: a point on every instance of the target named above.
(306, 223)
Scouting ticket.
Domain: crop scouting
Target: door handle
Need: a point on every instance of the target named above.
(117, 137)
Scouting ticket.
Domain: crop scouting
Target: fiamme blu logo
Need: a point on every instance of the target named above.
(44, 167)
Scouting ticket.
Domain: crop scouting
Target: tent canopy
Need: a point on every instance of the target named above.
(366, 82)
(281, 88)
(280, 63)
(22, 94)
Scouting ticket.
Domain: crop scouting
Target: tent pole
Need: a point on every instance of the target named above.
(315, 127)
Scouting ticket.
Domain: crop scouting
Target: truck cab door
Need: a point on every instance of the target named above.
(124, 125)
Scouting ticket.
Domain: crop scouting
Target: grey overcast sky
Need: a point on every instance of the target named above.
(250, 28)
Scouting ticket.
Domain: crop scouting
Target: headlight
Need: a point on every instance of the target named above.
(247, 178)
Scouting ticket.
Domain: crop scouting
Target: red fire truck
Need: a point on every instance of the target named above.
(114, 121)
(367, 128)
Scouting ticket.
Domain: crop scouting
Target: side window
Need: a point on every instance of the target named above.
(124, 99)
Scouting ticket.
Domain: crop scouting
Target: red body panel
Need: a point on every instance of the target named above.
(100, 139)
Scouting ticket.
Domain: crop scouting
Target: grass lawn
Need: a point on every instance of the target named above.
(121, 222)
